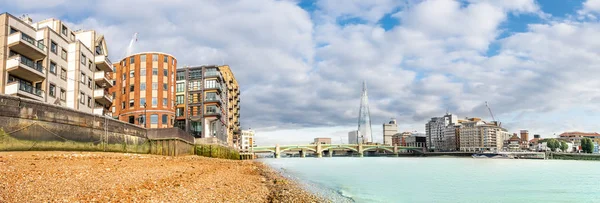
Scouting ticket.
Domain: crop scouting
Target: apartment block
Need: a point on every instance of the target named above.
(477, 135)
(207, 103)
(145, 88)
(247, 139)
(49, 62)
(441, 133)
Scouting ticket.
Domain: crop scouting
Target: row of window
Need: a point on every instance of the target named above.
(153, 119)
(52, 92)
(143, 73)
(82, 99)
(63, 72)
(165, 87)
(143, 58)
(165, 102)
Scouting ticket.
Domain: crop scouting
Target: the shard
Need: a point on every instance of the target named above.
(364, 118)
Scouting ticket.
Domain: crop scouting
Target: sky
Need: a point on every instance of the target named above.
(300, 64)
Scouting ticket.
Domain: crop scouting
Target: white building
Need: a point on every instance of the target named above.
(477, 135)
(389, 130)
(248, 139)
(353, 137)
(49, 62)
(440, 132)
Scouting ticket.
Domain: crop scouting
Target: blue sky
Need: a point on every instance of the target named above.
(300, 64)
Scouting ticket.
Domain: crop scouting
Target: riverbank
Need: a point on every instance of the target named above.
(109, 177)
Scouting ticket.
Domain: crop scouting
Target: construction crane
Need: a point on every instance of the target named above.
(492, 114)
(130, 47)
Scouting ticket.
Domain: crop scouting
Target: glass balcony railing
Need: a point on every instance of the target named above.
(30, 63)
(212, 99)
(26, 87)
(212, 73)
(32, 41)
(214, 86)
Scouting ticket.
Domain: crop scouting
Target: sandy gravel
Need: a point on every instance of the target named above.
(114, 177)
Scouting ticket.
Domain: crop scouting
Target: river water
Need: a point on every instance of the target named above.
(394, 179)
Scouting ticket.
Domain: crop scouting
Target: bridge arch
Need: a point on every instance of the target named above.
(284, 149)
(379, 147)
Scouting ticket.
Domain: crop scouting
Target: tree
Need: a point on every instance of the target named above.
(587, 145)
(563, 146)
(553, 144)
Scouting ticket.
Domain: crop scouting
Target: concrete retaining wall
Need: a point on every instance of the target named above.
(30, 125)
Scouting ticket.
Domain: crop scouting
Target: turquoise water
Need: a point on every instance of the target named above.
(387, 179)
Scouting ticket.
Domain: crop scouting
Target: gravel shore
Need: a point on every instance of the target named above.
(114, 177)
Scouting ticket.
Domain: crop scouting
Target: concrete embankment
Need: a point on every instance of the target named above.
(111, 177)
(574, 156)
(27, 125)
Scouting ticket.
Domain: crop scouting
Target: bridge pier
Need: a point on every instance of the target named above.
(319, 150)
(302, 153)
(277, 151)
(360, 150)
(330, 153)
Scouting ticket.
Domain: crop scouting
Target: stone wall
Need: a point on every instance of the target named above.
(30, 125)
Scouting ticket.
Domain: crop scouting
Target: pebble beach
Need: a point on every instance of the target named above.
(115, 177)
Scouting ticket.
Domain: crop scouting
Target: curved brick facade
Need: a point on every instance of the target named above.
(149, 78)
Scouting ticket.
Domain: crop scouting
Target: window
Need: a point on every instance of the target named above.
(143, 120)
(132, 119)
(132, 74)
(154, 119)
(63, 54)
(124, 76)
(166, 59)
(131, 88)
(179, 99)
(131, 101)
(12, 30)
(82, 78)
(131, 60)
(164, 119)
(143, 58)
(53, 67)
(195, 74)
(194, 85)
(114, 95)
(63, 94)
(211, 109)
(81, 98)
(53, 47)
(179, 112)
(89, 102)
(211, 84)
(180, 87)
(154, 71)
(99, 50)
(164, 102)
(52, 90)
(122, 105)
(154, 57)
(113, 109)
(72, 37)
(64, 30)
(154, 101)
(173, 61)
(142, 86)
(83, 59)
(90, 63)
(180, 75)
(154, 86)
(90, 82)
(124, 90)
(143, 72)
(165, 73)
(142, 101)
(165, 88)
(211, 96)
(63, 73)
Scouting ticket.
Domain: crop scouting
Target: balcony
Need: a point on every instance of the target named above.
(217, 87)
(103, 63)
(99, 110)
(213, 99)
(103, 78)
(26, 45)
(102, 96)
(213, 74)
(24, 90)
(213, 112)
(25, 68)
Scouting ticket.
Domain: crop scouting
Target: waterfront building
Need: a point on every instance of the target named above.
(247, 140)
(524, 139)
(399, 139)
(514, 143)
(207, 99)
(389, 130)
(576, 137)
(365, 134)
(416, 141)
(441, 133)
(49, 62)
(353, 137)
(322, 140)
(477, 135)
(144, 90)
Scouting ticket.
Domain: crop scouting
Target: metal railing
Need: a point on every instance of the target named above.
(32, 41)
(212, 73)
(26, 87)
(30, 63)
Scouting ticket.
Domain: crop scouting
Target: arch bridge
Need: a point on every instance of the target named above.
(318, 149)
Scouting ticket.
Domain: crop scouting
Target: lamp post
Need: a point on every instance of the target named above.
(145, 116)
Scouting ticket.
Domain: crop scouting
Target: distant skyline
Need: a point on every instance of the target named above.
(300, 64)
